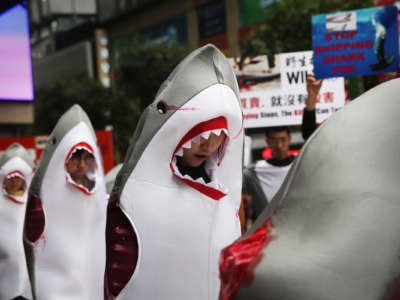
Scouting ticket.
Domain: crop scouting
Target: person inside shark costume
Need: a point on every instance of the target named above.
(80, 167)
(66, 214)
(332, 231)
(16, 171)
(175, 200)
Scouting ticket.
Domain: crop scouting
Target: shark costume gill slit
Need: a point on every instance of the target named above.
(16, 171)
(165, 229)
(65, 220)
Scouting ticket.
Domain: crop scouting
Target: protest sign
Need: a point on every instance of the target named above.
(276, 96)
(359, 42)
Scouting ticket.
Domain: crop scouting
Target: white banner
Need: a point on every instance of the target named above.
(277, 96)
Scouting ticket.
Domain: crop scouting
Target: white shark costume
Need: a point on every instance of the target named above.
(164, 230)
(332, 231)
(65, 222)
(14, 279)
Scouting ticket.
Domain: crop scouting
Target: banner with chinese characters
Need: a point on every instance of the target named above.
(273, 91)
(359, 42)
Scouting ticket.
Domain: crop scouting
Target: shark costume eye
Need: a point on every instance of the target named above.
(162, 107)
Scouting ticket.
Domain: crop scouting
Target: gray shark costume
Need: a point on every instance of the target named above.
(164, 229)
(65, 222)
(332, 231)
(14, 280)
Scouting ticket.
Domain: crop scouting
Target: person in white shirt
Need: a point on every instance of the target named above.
(262, 180)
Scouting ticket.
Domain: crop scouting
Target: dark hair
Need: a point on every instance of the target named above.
(278, 129)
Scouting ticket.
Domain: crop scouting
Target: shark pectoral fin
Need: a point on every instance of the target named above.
(35, 219)
(122, 250)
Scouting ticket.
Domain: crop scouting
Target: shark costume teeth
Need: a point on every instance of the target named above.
(212, 189)
(65, 221)
(19, 199)
(332, 230)
(164, 229)
(15, 162)
(92, 168)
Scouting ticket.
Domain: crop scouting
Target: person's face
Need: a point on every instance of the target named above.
(199, 152)
(14, 185)
(78, 165)
(279, 142)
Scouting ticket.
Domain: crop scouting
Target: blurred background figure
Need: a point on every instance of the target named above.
(16, 170)
(262, 180)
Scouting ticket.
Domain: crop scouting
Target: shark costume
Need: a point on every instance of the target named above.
(65, 221)
(164, 229)
(332, 231)
(15, 162)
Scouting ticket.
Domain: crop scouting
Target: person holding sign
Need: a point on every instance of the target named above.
(309, 123)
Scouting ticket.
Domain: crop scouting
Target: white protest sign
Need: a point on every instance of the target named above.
(277, 96)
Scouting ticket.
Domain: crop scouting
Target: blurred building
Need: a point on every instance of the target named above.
(84, 32)
(75, 37)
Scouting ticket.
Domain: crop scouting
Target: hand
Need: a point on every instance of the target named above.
(313, 87)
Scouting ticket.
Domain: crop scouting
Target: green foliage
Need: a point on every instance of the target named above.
(141, 68)
(51, 102)
(103, 106)
(287, 25)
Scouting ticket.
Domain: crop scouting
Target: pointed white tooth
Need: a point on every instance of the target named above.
(217, 131)
(179, 152)
(196, 139)
(206, 134)
(213, 184)
(200, 180)
(187, 145)
(225, 131)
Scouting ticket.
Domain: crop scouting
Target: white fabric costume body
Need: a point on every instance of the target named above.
(181, 224)
(69, 255)
(270, 177)
(14, 279)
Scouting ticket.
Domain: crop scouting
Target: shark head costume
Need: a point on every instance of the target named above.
(332, 231)
(16, 170)
(65, 220)
(165, 229)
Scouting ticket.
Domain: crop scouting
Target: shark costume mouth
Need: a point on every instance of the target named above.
(91, 171)
(18, 199)
(203, 130)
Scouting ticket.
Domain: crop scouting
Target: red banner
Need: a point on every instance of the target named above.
(36, 144)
